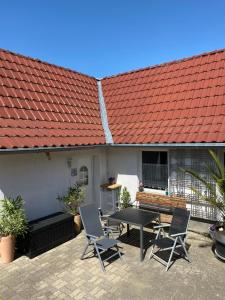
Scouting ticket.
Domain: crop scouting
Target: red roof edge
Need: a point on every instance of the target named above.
(45, 62)
(167, 63)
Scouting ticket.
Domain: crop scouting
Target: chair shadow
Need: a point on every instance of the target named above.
(104, 256)
(133, 239)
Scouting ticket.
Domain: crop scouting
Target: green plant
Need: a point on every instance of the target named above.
(73, 199)
(215, 193)
(125, 198)
(12, 217)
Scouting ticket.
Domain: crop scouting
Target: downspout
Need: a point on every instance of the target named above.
(103, 112)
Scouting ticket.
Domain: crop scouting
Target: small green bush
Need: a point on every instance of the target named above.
(12, 217)
(125, 198)
(73, 199)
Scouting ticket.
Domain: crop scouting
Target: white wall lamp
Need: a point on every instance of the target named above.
(69, 162)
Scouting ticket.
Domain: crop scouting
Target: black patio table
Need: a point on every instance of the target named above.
(135, 216)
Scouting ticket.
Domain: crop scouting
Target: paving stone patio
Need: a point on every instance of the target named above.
(60, 274)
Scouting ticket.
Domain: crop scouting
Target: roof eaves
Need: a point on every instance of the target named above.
(169, 145)
(49, 149)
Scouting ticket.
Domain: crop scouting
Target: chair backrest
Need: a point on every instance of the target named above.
(90, 219)
(180, 220)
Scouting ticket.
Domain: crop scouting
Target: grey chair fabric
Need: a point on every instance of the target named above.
(175, 239)
(97, 237)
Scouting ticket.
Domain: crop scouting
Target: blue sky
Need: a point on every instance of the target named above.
(106, 37)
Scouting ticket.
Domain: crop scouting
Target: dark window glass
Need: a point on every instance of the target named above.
(154, 157)
(154, 169)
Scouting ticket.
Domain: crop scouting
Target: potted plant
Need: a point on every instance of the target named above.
(13, 222)
(71, 201)
(125, 198)
(214, 195)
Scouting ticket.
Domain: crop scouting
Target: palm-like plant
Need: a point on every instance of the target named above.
(215, 192)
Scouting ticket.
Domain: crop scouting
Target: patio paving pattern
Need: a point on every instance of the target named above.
(60, 274)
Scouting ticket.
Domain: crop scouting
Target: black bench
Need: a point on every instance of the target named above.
(46, 233)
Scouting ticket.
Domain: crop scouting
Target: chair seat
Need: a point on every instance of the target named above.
(164, 242)
(106, 243)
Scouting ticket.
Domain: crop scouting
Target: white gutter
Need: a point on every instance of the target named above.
(74, 148)
(48, 149)
(194, 145)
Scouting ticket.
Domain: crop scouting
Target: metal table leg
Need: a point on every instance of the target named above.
(141, 243)
(128, 230)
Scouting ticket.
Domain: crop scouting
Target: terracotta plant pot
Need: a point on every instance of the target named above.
(7, 248)
(77, 223)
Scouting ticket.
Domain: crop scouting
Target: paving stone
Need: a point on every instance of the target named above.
(60, 274)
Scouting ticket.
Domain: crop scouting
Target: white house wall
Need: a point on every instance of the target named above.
(39, 178)
(123, 165)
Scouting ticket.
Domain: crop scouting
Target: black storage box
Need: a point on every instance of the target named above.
(46, 233)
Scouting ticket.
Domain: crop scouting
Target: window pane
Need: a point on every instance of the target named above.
(84, 175)
(163, 158)
(154, 169)
(154, 157)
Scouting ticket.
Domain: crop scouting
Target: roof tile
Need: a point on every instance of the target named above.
(44, 105)
(35, 96)
(186, 97)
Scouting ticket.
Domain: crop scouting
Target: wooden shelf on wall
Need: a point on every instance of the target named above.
(110, 186)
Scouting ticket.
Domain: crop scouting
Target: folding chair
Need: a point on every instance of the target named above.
(113, 225)
(175, 239)
(96, 235)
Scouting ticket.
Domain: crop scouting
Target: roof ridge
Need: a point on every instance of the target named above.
(46, 63)
(166, 63)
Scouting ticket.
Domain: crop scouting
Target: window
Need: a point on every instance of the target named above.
(154, 170)
(83, 175)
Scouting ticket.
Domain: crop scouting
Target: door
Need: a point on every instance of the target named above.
(84, 177)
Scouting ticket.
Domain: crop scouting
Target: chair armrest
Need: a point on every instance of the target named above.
(92, 236)
(107, 229)
(161, 226)
(178, 234)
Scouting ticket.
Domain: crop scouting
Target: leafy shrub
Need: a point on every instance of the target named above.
(125, 198)
(73, 199)
(12, 217)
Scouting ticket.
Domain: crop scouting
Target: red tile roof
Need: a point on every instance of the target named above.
(42, 105)
(178, 102)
